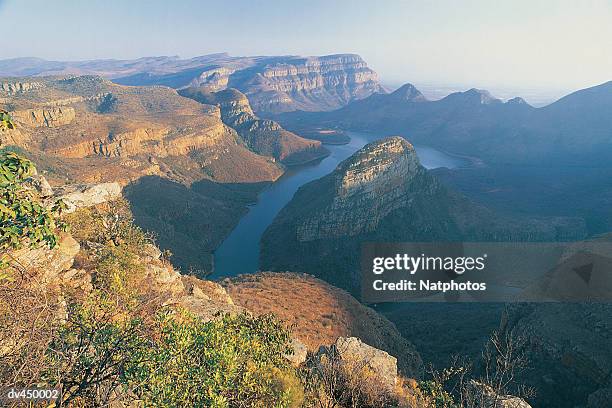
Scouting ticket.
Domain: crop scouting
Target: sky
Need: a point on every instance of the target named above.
(552, 44)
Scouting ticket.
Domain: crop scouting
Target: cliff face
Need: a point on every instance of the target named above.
(314, 83)
(263, 136)
(272, 83)
(144, 130)
(87, 129)
(383, 194)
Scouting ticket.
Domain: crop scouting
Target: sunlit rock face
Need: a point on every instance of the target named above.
(367, 187)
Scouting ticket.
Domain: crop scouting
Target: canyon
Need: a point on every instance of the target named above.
(272, 83)
(383, 194)
(193, 143)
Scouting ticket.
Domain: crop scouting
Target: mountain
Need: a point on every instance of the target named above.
(188, 174)
(272, 84)
(383, 194)
(263, 136)
(572, 131)
(104, 131)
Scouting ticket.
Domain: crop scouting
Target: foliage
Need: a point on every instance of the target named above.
(178, 360)
(24, 218)
(90, 352)
(113, 245)
(6, 122)
(232, 362)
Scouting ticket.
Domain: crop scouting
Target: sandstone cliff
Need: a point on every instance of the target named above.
(263, 136)
(128, 132)
(85, 129)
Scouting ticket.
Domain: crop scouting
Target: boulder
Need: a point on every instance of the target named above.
(356, 355)
(46, 264)
(485, 397)
(299, 355)
(87, 195)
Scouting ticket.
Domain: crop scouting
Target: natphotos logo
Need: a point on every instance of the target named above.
(412, 264)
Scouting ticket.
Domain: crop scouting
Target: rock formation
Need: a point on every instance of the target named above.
(272, 84)
(85, 129)
(383, 194)
(263, 136)
(278, 84)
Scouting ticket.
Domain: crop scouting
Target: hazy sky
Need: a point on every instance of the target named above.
(547, 44)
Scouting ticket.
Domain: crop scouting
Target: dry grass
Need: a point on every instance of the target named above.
(320, 313)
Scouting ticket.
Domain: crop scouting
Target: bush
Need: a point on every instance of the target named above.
(6, 122)
(24, 219)
(112, 246)
(177, 360)
(232, 362)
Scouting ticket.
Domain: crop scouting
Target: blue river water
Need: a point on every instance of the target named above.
(239, 253)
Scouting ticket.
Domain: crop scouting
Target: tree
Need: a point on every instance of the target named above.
(24, 218)
(6, 122)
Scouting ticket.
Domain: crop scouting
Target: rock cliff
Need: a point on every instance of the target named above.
(128, 132)
(86, 129)
(313, 83)
(263, 136)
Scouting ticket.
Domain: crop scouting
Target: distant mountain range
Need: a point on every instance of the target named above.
(272, 83)
(574, 130)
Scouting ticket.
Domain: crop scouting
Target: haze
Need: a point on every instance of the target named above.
(515, 44)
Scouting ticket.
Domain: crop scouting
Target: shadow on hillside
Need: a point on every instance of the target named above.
(190, 222)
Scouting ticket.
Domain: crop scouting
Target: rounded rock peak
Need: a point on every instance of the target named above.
(385, 150)
(381, 165)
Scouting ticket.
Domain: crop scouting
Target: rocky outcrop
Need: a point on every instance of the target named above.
(263, 136)
(19, 86)
(483, 396)
(49, 117)
(77, 118)
(313, 83)
(377, 365)
(366, 190)
(85, 195)
(383, 194)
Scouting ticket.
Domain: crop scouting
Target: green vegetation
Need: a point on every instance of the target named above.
(6, 122)
(24, 219)
(177, 360)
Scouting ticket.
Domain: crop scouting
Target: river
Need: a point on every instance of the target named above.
(239, 253)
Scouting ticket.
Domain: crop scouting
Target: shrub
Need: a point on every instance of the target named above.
(112, 246)
(24, 219)
(178, 360)
(6, 122)
(232, 362)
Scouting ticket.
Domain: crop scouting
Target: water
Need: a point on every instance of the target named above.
(239, 253)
